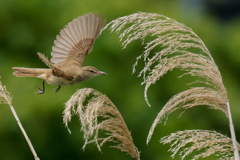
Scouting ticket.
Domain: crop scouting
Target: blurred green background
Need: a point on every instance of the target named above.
(28, 27)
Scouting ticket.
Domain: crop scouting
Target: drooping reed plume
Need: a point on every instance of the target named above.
(178, 48)
(97, 113)
(211, 142)
(5, 98)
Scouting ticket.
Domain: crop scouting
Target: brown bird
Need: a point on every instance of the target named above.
(71, 46)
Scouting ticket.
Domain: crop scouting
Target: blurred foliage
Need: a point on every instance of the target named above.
(28, 27)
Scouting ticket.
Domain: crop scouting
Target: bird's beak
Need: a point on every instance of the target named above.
(102, 73)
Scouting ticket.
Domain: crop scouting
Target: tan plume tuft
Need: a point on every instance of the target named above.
(97, 113)
(205, 141)
(5, 97)
(196, 96)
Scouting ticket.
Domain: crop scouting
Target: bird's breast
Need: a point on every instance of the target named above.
(57, 81)
(63, 81)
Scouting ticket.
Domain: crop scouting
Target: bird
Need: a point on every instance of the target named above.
(71, 46)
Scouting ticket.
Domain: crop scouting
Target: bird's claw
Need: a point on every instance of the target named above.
(57, 89)
(41, 91)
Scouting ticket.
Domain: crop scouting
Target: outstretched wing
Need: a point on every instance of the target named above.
(76, 39)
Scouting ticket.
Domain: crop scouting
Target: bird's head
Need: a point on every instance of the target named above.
(89, 72)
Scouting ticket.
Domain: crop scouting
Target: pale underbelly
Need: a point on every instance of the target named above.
(58, 81)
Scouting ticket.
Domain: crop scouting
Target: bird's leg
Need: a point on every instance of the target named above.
(57, 89)
(41, 90)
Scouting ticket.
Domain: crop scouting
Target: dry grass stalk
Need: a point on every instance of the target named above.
(5, 98)
(97, 113)
(205, 141)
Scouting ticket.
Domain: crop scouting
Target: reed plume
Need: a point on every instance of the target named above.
(178, 47)
(97, 113)
(5, 97)
(206, 141)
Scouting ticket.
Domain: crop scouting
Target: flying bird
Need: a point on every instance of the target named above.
(68, 53)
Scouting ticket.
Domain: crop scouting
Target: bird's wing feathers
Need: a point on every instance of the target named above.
(76, 39)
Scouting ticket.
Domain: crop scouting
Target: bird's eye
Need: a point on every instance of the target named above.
(92, 71)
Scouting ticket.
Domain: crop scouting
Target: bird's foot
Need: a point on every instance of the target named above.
(57, 89)
(41, 91)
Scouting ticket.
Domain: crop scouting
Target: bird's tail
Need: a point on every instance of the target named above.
(28, 72)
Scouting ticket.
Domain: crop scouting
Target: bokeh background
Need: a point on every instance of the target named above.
(28, 27)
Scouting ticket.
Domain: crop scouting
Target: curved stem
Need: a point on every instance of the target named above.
(24, 132)
(233, 136)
